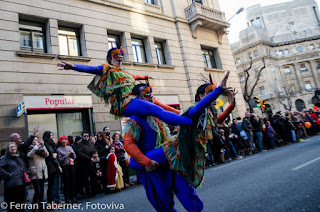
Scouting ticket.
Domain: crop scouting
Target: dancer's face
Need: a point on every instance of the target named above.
(117, 59)
(146, 94)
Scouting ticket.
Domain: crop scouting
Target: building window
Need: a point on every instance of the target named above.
(262, 90)
(312, 47)
(286, 51)
(208, 58)
(318, 64)
(255, 53)
(160, 53)
(280, 53)
(242, 79)
(256, 22)
(308, 85)
(69, 41)
(32, 37)
(300, 49)
(138, 50)
(112, 41)
(151, 1)
(198, 1)
(257, 72)
(287, 70)
(303, 67)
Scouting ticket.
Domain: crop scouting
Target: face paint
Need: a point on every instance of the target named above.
(147, 92)
(117, 54)
(209, 89)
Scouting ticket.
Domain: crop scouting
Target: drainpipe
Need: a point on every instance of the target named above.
(182, 51)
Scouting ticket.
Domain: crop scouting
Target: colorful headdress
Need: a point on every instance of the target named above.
(119, 51)
(211, 86)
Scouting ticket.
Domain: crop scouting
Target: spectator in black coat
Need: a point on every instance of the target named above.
(12, 170)
(54, 168)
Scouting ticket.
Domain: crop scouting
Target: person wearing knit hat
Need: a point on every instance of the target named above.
(66, 157)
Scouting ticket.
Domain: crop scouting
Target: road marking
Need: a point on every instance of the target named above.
(235, 162)
(305, 164)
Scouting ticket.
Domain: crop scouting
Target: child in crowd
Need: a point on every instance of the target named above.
(96, 174)
(114, 177)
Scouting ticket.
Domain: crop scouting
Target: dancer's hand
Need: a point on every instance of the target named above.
(223, 83)
(65, 65)
(152, 166)
(232, 98)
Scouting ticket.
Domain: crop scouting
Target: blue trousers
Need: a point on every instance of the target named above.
(161, 184)
(259, 140)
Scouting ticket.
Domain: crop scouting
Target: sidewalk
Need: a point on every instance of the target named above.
(31, 192)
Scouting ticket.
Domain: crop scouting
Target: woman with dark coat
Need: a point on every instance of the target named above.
(12, 170)
(102, 145)
(54, 168)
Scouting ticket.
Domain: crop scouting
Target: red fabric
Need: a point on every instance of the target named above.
(111, 171)
(315, 118)
(222, 116)
(134, 151)
(140, 77)
(166, 107)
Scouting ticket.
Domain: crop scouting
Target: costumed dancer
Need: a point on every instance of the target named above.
(114, 85)
(145, 133)
(186, 151)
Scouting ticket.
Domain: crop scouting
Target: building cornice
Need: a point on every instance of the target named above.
(131, 9)
(271, 44)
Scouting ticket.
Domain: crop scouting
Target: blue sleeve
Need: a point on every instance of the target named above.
(144, 108)
(97, 70)
(205, 102)
(155, 154)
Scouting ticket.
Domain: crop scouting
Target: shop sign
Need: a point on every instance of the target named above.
(21, 109)
(57, 102)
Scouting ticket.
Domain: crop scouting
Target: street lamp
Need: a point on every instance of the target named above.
(239, 11)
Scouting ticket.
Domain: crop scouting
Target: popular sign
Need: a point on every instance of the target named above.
(57, 102)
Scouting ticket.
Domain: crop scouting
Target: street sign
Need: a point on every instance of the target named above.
(21, 109)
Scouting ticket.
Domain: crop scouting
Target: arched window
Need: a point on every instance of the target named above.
(300, 104)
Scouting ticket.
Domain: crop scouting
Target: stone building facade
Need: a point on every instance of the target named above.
(171, 41)
(287, 36)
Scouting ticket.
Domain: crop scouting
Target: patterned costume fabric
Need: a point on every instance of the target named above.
(115, 87)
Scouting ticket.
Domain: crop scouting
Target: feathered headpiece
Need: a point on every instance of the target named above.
(118, 51)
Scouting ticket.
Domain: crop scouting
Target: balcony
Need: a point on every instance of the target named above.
(202, 16)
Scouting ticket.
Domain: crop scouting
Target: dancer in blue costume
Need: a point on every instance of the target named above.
(144, 134)
(185, 151)
(113, 84)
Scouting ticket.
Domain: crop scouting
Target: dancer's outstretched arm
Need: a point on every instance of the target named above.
(206, 101)
(97, 70)
(138, 160)
(144, 108)
(164, 106)
(222, 116)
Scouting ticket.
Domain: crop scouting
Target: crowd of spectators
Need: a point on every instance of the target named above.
(77, 167)
(253, 134)
(87, 166)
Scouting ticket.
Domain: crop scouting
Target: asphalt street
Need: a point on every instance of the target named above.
(283, 179)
